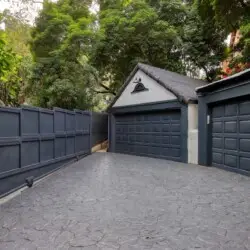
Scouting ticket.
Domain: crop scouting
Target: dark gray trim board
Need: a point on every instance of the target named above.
(184, 133)
(112, 133)
(173, 104)
(225, 93)
(151, 107)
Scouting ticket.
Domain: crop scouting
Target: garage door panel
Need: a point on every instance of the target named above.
(166, 128)
(231, 161)
(156, 128)
(231, 135)
(171, 152)
(217, 157)
(217, 142)
(175, 127)
(176, 140)
(230, 127)
(217, 127)
(166, 140)
(245, 145)
(244, 108)
(244, 126)
(218, 111)
(157, 140)
(245, 163)
(226, 151)
(150, 134)
(231, 143)
(175, 152)
(231, 110)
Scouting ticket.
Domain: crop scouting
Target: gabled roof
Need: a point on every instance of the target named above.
(236, 78)
(183, 87)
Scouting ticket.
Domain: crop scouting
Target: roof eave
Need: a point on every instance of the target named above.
(242, 76)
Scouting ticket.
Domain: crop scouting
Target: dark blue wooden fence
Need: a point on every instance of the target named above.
(36, 141)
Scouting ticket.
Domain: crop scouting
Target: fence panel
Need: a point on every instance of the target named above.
(36, 141)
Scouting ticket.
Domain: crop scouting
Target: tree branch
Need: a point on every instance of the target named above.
(108, 89)
(101, 92)
(207, 74)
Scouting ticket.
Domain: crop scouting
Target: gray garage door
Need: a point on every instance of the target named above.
(149, 134)
(231, 135)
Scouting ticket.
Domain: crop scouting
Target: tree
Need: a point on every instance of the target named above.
(230, 16)
(203, 45)
(9, 88)
(228, 13)
(62, 83)
(167, 33)
(14, 45)
(62, 42)
(132, 32)
(17, 34)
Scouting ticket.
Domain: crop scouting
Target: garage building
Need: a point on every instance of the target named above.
(224, 123)
(155, 114)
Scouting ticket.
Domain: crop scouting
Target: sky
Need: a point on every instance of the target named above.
(31, 9)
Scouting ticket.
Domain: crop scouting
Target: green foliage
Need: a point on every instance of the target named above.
(230, 16)
(17, 34)
(75, 56)
(227, 13)
(15, 60)
(62, 42)
(203, 45)
(61, 83)
(165, 33)
(137, 32)
(9, 87)
(245, 42)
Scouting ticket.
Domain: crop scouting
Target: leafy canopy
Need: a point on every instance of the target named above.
(230, 16)
(62, 42)
(167, 33)
(15, 59)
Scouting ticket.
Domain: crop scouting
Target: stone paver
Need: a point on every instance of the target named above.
(112, 201)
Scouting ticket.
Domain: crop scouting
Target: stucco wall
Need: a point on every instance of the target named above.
(193, 133)
(156, 92)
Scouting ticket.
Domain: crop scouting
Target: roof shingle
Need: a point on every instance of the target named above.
(182, 86)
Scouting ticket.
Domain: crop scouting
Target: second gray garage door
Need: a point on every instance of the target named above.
(149, 134)
(231, 135)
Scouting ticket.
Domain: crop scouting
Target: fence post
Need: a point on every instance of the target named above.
(90, 130)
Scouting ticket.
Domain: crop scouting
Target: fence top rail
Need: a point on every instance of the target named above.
(31, 108)
(84, 112)
(50, 111)
(10, 109)
(64, 110)
(99, 113)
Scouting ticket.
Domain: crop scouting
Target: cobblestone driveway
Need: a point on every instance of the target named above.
(112, 201)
